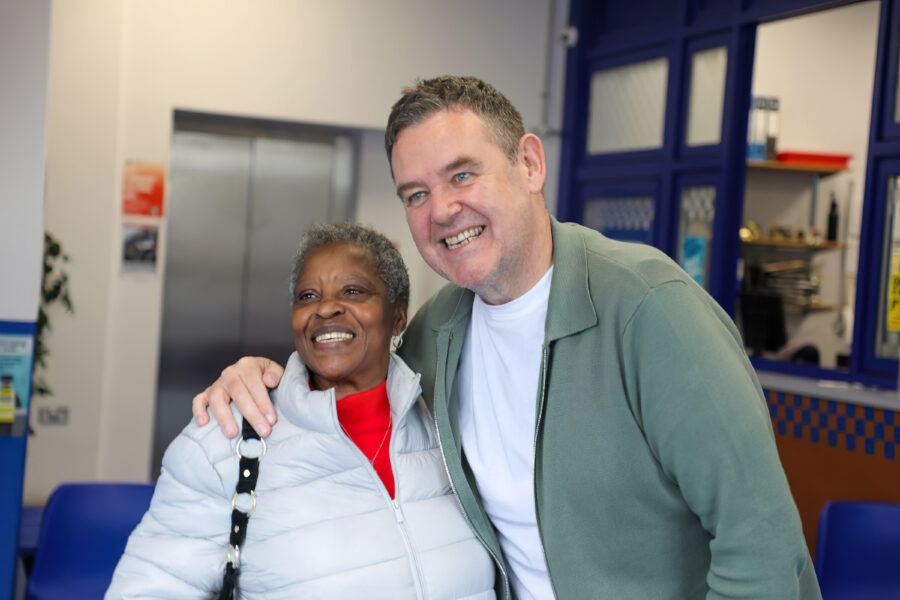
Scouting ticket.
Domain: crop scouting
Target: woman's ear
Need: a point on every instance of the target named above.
(399, 318)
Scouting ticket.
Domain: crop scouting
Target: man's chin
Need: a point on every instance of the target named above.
(476, 282)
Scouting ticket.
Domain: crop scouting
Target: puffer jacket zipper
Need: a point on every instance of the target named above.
(396, 509)
(418, 576)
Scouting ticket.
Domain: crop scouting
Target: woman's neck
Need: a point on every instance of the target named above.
(342, 389)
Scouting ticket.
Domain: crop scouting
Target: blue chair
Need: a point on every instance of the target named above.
(858, 551)
(83, 535)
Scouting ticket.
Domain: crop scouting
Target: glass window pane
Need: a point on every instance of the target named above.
(695, 230)
(704, 120)
(628, 106)
(887, 336)
(628, 219)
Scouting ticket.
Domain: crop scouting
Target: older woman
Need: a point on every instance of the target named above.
(351, 498)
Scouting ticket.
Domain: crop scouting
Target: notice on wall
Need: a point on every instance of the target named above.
(16, 355)
(892, 321)
(139, 243)
(143, 189)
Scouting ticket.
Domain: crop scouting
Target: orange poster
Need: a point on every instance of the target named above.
(143, 186)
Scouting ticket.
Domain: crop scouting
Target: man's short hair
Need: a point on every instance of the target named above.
(451, 92)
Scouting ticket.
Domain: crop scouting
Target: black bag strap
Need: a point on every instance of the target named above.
(247, 476)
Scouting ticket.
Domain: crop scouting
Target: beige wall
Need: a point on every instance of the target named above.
(119, 68)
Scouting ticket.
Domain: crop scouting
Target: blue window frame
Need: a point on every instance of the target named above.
(653, 28)
(694, 46)
(693, 228)
(623, 210)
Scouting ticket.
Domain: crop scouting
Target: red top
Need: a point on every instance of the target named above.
(366, 419)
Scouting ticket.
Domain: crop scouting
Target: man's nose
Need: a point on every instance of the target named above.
(444, 205)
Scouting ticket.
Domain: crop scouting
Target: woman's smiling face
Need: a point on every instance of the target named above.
(343, 320)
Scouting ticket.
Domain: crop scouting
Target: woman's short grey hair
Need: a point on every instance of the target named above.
(388, 263)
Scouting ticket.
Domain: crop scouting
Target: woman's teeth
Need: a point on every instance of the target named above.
(334, 336)
(464, 237)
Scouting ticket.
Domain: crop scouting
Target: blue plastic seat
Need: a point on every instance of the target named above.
(858, 551)
(83, 535)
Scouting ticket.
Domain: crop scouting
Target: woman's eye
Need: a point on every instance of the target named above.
(353, 292)
(304, 296)
(460, 177)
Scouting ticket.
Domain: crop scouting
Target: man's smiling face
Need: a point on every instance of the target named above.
(476, 217)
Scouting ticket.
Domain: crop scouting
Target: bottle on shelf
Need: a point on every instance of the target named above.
(772, 125)
(756, 129)
(832, 231)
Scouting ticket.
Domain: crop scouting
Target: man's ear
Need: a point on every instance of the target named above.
(399, 318)
(531, 155)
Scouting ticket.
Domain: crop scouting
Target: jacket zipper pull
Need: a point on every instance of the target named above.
(397, 512)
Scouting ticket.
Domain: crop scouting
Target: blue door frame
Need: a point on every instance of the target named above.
(614, 33)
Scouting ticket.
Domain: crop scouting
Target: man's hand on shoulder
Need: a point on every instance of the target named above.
(247, 384)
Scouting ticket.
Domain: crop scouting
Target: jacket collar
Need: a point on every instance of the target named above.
(571, 308)
(315, 409)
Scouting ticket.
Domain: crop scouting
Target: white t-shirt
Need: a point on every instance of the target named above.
(498, 380)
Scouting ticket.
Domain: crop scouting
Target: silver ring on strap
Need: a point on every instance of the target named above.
(237, 449)
(252, 505)
(234, 556)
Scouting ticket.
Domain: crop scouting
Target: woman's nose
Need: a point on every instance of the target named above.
(329, 307)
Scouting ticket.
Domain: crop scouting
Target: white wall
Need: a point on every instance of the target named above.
(821, 66)
(118, 70)
(82, 165)
(24, 47)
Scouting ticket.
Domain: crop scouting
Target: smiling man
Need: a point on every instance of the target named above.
(600, 423)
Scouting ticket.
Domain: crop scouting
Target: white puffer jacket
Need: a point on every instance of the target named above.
(324, 525)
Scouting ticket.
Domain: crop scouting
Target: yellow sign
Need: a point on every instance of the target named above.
(7, 400)
(893, 299)
(16, 350)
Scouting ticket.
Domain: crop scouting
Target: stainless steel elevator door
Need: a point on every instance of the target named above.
(237, 208)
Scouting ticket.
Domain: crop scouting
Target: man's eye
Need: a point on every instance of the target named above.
(460, 177)
(415, 198)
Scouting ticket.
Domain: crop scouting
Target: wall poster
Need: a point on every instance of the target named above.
(16, 355)
(143, 189)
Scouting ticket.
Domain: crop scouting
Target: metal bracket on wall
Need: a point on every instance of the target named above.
(53, 416)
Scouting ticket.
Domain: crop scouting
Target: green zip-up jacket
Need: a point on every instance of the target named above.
(656, 474)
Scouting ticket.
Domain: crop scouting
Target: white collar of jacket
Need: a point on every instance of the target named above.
(314, 410)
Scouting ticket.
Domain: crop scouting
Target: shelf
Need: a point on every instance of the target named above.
(776, 243)
(813, 306)
(774, 165)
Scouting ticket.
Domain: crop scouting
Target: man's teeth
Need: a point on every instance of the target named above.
(334, 336)
(463, 237)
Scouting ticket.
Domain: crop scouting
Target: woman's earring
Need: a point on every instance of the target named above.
(396, 342)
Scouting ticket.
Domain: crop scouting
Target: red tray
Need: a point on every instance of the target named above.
(814, 158)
